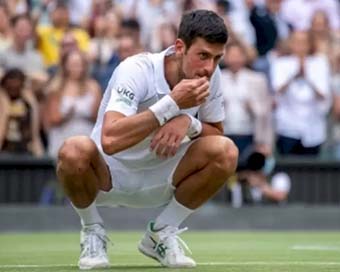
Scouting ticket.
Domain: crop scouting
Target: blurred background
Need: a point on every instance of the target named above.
(281, 86)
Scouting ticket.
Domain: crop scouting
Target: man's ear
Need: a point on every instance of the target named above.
(179, 47)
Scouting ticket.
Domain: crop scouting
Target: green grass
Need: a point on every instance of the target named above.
(214, 252)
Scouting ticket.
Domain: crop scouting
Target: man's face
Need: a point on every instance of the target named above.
(200, 59)
(235, 58)
(13, 86)
(23, 30)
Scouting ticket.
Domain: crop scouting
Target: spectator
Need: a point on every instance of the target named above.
(255, 183)
(79, 12)
(324, 40)
(270, 30)
(126, 48)
(19, 118)
(49, 36)
(22, 55)
(238, 17)
(5, 29)
(336, 108)
(72, 102)
(131, 27)
(163, 37)
(301, 82)
(299, 13)
(108, 9)
(102, 48)
(247, 102)
(149, 13)
(17, 7)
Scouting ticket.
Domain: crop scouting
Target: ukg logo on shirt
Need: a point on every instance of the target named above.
(127, 93)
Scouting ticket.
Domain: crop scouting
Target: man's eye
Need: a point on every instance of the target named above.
(203, 56)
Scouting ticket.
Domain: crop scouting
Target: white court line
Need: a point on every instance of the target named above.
(316, 247)
(297, 263)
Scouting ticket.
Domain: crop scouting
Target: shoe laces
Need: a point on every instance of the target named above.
(170, 237)
(94, 243)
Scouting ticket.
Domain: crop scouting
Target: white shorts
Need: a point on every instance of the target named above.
(141, 188)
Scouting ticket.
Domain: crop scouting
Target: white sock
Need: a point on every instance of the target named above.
(89, 215)
(173, 215)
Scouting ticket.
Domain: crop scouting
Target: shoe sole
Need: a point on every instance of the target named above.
(89, 267)
(145, 251)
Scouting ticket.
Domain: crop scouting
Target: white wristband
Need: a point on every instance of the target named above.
(195, 127)
(165, 109)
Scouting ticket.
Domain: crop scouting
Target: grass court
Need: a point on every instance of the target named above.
(214, 252)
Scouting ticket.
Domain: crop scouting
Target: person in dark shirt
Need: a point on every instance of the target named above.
(19, 124)
(269, 28)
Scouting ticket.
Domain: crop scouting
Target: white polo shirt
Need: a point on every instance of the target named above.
(136, 84)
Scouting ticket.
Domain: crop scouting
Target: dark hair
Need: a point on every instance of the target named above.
(254, 161)
(204, 24)
(13, 73)
(130, 24)
(224, 4)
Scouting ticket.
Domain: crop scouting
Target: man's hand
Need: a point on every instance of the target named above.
(189, 93)
(169, 137)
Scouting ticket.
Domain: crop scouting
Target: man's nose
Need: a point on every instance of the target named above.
(209, 68)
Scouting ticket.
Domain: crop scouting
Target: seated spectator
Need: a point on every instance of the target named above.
(22, 55)
(301, 82)
(248, 119)
(19, 118)
(49, 36)
(255, 182)
(72, 102)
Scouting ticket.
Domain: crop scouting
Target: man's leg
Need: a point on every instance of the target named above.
(82, 172)
(203, 170)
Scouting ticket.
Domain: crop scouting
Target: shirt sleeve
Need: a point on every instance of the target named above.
(281, 71)
(281, 182)
(318, 72)
(212, 111)
(128, 87)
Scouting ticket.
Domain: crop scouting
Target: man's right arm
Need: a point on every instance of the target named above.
(121, 131)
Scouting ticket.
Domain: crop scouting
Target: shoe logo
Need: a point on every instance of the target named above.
(160, 248)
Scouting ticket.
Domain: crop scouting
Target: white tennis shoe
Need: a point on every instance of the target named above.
(93, 242)
(165, 246)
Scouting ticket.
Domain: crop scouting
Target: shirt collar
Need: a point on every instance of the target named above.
(159, 72)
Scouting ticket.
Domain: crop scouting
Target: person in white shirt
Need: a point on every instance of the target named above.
(299, 13)
(142, 153)
(248, 105)
(301, 82)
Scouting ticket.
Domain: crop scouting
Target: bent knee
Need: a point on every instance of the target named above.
(226, 157)
(75, 154)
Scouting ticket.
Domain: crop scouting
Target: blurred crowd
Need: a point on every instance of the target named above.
(280, 72)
